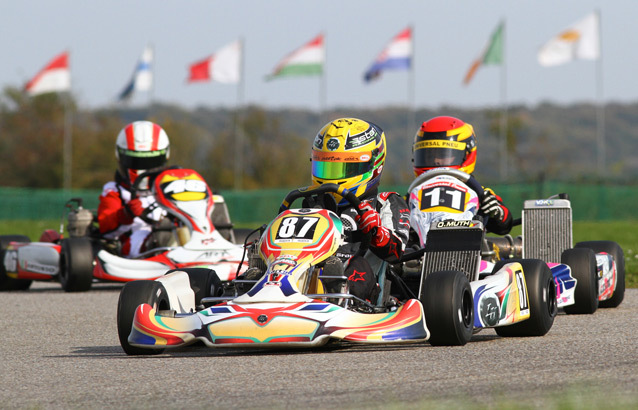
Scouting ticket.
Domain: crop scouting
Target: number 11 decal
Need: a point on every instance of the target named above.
(442, 196)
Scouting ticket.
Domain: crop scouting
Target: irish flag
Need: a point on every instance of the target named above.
(54, 77)
(306, 60)
(492, 54)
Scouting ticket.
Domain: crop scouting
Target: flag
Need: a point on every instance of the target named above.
(396, 56)
(306, 60)
(492, 54)
(579, 41)
(55, 77)
(142, 76)
(222, 67)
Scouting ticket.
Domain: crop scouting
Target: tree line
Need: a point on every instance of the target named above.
(546, 142)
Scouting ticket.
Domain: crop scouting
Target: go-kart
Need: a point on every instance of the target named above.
(290, 305)
(597, 266)
(589, 272)
(186, 237)
(516, 297)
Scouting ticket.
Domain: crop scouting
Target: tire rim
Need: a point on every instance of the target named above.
(466, 309)
(552, 303)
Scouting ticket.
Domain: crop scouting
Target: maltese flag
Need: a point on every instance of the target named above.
(396, 56)
(142, 79)
(222, 67)
(55, 77)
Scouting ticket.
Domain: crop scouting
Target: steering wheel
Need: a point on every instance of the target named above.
(150, 174)
(315, 193)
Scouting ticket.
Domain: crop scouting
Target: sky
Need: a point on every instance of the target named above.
(106, 38)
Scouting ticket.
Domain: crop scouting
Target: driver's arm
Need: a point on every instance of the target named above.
(392, 232)
(111, 212)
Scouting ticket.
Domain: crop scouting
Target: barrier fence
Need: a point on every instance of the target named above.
(253, 208)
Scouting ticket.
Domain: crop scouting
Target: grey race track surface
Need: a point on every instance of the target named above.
(61, 350)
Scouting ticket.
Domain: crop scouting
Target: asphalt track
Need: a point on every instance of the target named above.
(61, 350)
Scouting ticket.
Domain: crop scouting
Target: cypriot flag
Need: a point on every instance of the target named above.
(306, 60)
(579, 41)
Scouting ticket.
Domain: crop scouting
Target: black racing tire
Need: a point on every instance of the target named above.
(541, 290)
(76, 264)
(7, 283)
(448, 306)
(582, 262)
(616, 252)
(203, 281)
(132, 295)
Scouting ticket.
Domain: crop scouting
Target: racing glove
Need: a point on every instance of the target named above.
(491, 206)
(135, 207)
(371, 221)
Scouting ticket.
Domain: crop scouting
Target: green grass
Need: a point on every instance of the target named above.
(623, 232)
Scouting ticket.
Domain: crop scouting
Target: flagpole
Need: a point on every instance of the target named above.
(151, 94)
(67, 145)
(411, 91)
(238, 131)
(322, 87)
(600, 112)
(503, 127)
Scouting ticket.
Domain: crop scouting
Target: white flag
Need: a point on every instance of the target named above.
(579, 41)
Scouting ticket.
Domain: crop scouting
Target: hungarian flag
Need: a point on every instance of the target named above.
(395, 56)
(581, 40)
(492, 54)
(142, 79)
(55, 77)
(223, 67)
(306, 60)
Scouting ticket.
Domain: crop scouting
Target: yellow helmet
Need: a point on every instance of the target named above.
(351, 153)
(444, 142)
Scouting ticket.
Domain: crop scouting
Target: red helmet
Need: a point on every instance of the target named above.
(140, 146)
(444, 142)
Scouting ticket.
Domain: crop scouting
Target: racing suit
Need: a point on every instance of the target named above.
(116, 221)
(363, 272)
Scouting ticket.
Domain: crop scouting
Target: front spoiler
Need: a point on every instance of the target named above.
(275, 325)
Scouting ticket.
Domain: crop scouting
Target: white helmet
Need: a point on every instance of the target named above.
(141, 146)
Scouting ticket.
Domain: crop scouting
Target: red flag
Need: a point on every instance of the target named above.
(55, 77)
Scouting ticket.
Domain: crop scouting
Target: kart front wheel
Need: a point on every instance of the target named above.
(541, 290)
(582, 262)
(7, 283)
(448, 307)
(132, 295)
(76, 265)
(616, 252)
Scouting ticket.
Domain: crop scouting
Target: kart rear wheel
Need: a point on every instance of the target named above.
(132, 295)
(616, 252)
(582, 262)
(76, 265)
(541, 291)
(7, 283)
(448, 307)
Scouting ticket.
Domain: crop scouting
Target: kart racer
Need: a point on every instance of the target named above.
(451, 143)
(140, 146)
(351, 153)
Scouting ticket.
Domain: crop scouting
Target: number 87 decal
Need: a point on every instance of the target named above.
(443, 196)
(300, 228)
